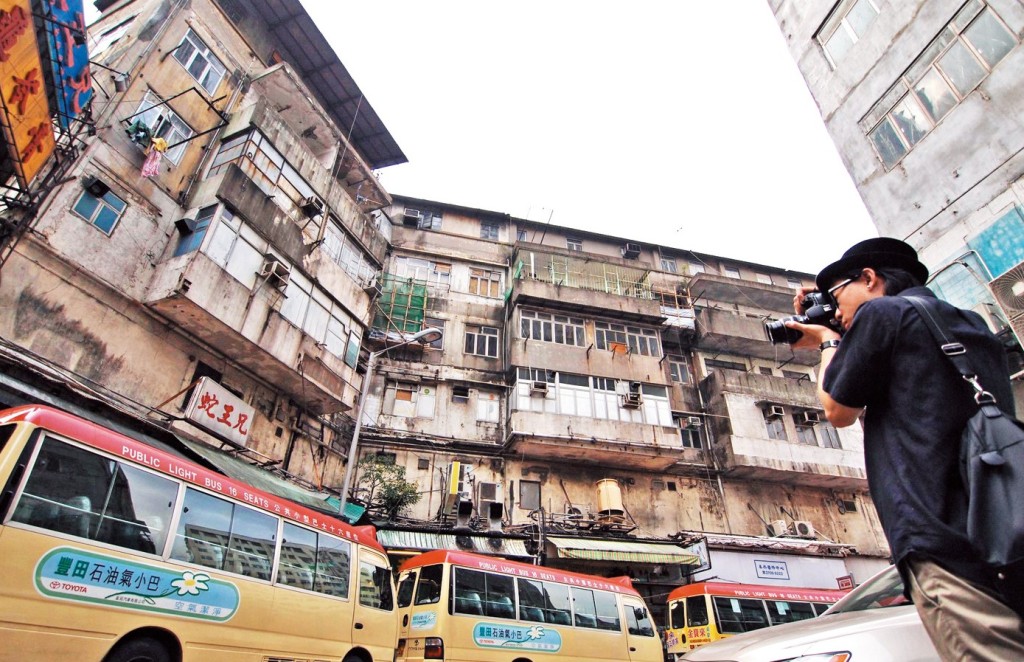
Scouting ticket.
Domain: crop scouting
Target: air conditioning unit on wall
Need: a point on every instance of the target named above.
(694, 422)
(774, 411)
(632, 400)
(808, 418)
(538, 388)
(778, 528)
(803, 529)
(276, 272)
(312, 206)
(631, 251)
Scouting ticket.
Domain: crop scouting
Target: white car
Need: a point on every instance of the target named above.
(874, 623)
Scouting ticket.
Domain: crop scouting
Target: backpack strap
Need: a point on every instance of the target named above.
(953, 350)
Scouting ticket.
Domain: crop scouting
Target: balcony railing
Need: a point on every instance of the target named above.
(584, 274)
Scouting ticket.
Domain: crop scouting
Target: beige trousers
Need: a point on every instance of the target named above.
(963, 621)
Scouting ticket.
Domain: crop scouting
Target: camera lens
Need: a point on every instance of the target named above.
(778, 332)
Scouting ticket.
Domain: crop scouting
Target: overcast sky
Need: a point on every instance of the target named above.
(680, 123)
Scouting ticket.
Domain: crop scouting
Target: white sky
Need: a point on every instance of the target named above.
(676, 122)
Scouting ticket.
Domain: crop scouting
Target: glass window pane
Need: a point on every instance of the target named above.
(960, 65)
(220, 244)
(244, 263)
(332, 566)
(298, 557)
(253, 539)
(888, 145)
(115, 202)
(935, 95)
(911, 120)
(990, 38)
(860, 17)
(839, 43)
(138, 511)
(203, 531)
(106, 219)
(86, 205)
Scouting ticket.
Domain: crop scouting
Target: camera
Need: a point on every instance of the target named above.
(818, 308)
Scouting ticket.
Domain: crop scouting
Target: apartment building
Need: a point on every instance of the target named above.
(214, 234)
(610, 397)
(216, 264)
(923, 102)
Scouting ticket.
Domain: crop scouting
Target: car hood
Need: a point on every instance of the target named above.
(873, 635)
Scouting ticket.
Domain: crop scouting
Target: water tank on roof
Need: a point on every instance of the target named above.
(609, 501)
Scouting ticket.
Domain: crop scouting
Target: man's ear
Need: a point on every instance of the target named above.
(872, 280)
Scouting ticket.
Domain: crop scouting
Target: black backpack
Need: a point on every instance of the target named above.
(992, 468)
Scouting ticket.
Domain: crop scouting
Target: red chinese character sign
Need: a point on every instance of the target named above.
(25, 113)
(220, 412)
(69, 57)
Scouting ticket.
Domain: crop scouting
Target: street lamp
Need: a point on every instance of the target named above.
(427, 335)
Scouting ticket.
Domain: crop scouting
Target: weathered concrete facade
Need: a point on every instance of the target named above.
(924, 103)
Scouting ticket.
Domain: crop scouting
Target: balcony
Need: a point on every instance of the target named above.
(578, 440)
(736, 400)
(707, 287)
(197, 295)
(584, 286)
(729, 332)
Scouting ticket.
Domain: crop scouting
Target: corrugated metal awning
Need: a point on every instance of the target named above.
(635, 551)
(426, 541)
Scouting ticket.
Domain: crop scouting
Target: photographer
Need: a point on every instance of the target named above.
(886, 364)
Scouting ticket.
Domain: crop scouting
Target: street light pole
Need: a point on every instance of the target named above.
(428, 335)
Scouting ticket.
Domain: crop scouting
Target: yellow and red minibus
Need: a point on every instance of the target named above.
(114, 550)
(708, 611)
(464, 607)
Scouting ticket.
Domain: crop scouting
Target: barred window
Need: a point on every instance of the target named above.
(620, 338)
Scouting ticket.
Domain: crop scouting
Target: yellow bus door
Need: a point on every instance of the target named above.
(374, 621)
(642, 640)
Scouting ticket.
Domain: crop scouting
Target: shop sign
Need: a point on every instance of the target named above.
(69, 57)
(220, 412)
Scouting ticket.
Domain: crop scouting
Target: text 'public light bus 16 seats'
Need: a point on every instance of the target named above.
(462, 607)
(707, 611)
(114, 550)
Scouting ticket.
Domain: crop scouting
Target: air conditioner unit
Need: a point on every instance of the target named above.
(312, 206)
(454, 486)
(411, 217)
(487, 492)
(632, 400)
(808, 418)
(276, 272)
(694, 422)
(631, 251)
(95, 187)
(185, 226)
(774, 411)
(538, 388)
(778, 528)
(634, 387)
(803, 529)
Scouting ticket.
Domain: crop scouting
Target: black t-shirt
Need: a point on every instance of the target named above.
(917, 405)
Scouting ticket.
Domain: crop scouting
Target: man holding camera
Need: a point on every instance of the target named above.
(879, 359)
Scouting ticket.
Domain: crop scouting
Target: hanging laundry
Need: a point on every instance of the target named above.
(151, 166)
(140, 133)
(158, 144)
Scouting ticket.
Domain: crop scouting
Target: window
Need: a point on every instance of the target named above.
(312, 310)
(436, 323)
(484, 593)
(782, 611)
(737, 615)
(775, 426)
(805, 435)
(346, 253)
(794, 283)
(846, 24)
(411, 400)
(79, 493)
(668, 264)
(489, 230)
(764, 279)
(428, 588)
(574, 243)
(262, 163)
(545, 327)
(795, 374)
(690, 437)
(485, 282)
(696, 268)
(460, 394)
(764, 370)
(314, 561)
(710, 364)
(620, 339)
(437, 275)
(679, 369)
(164, 123)
(192, 241)
(197, 59)
(482, 341)
(104, 212)
(951, 66)
(829, 435)
(487, 407)
(375, 586)
(521, 235)
(529, 494)
(730, 272)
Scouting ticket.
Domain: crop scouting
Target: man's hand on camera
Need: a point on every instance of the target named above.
(813, 334)
(799, 297)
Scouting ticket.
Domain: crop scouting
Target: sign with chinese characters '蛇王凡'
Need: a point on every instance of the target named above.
(220, 412)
